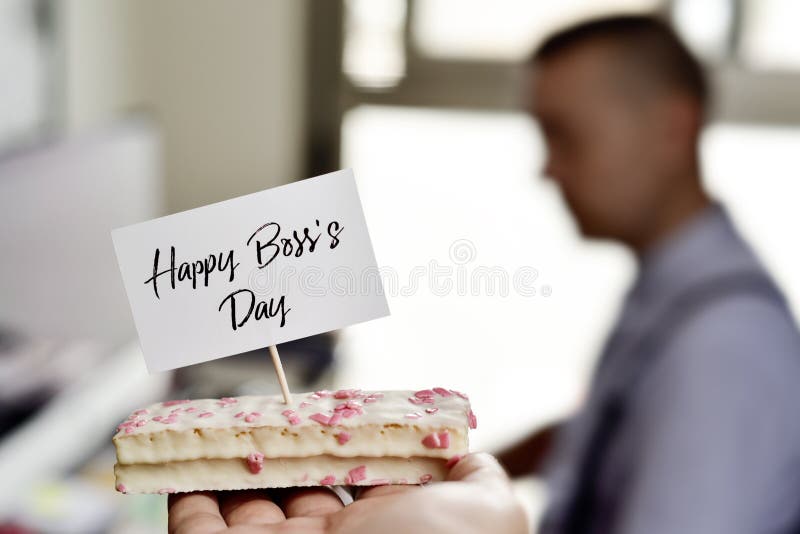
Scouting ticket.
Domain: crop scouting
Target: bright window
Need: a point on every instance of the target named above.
(501, 29)
(770, 39)
(705, 26)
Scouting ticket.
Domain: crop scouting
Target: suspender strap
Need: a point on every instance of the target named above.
(649, 349)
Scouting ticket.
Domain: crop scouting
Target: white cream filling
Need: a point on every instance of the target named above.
(285, 442)
(234, 473)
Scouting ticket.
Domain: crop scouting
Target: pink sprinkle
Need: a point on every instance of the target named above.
(314, 396)
(126, 424)
(347, 412)
(418, 401)
(356, 475)
(304, 404)
(424, 393)
(415, 415)
(227, 401)
(424, 479)
(473, 421)
(143, 411)
(329, 480)
(291, 416)
(320, 418)
(169, 403)
(443, 392)
(252, 416)
(140, 423)
(435, 440)
(322, 393)
(453, 461)
(343, 437)
(380, 481)
(128, 430)
(346, 393)
(323, 419)
(373, 397)
(190, 409)
(206, 414)
(157, 418)
(240, 414)
(162, 491)
(431, 410)
(255, 462)
(349, 407)
(121, 488)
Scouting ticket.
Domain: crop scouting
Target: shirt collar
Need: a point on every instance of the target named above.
(704, 247)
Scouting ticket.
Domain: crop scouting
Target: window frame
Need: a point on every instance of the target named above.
(741, 94)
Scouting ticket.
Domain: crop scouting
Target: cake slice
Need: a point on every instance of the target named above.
(323, 438)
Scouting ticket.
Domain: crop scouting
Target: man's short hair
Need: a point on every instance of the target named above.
(646, 44)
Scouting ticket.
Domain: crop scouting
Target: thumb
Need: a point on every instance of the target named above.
(478, 467)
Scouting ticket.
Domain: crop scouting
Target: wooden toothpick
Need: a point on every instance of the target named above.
(276, 361)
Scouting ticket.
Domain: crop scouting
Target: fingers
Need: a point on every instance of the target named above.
(204, 513)
(489, 487)
(478, 467)
(249, 508)
(196, 513)
(311, 503)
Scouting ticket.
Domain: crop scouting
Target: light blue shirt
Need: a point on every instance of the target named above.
(710, 443)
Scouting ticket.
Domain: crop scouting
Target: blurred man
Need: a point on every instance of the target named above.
(691, 424)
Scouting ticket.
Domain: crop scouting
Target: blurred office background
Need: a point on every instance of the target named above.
(116, 111)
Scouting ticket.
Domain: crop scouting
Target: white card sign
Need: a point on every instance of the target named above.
(249, 272)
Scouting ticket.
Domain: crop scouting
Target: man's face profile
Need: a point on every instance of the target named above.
(605, 142)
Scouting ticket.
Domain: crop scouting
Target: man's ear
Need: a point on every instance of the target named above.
(683, 119)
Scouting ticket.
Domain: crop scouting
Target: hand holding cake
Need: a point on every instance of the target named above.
(475, 498)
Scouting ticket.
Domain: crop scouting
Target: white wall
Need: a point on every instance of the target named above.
(223, 79)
